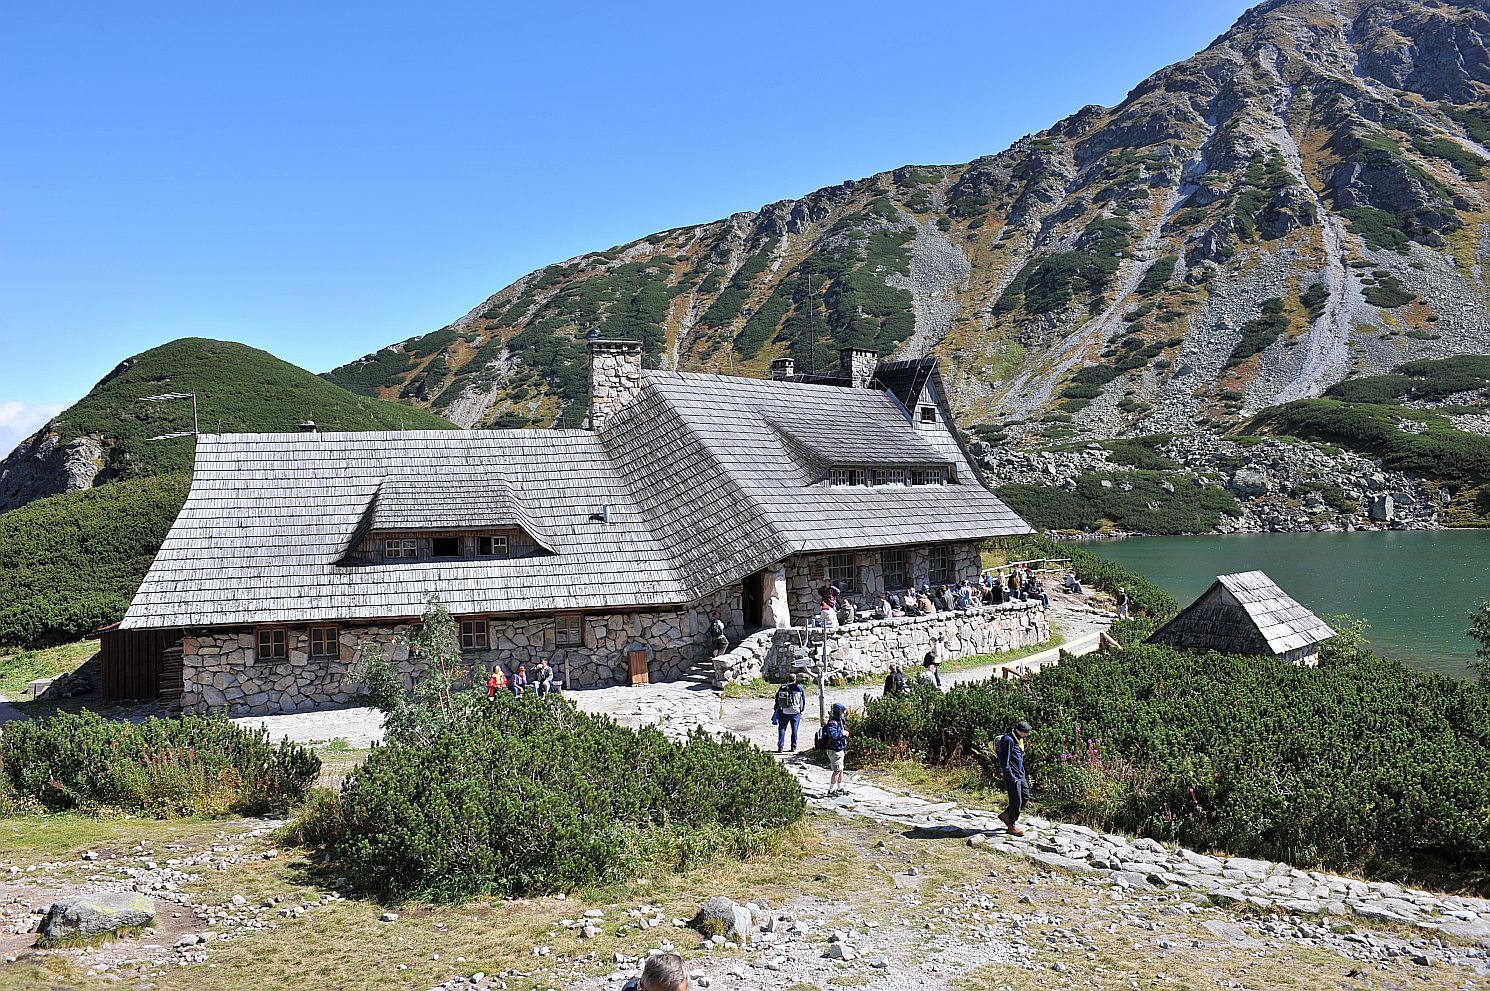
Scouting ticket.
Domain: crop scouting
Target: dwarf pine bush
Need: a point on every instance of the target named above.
(161, 767)
(528, 795)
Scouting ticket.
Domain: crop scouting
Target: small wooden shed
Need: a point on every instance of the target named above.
(139, 665)
(1247, 613)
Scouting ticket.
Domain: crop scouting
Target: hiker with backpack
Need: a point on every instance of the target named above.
(1009, 750)
(833, 738)
(791, 700)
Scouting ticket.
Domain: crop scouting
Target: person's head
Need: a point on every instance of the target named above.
(1022, 729)
(793, 677)
(839, 711)
(1120, 588)
(522, 669)
(665, 972)
(929, 661)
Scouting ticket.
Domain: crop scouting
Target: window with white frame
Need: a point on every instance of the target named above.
(896, 476)
(569, 630)
(475, 634)
(325, 641)
(273, 645)
(841, 572)
(928, 476)
(849, 476)
(491, 546)
(892, 566)
(939, 561)
(400, 548)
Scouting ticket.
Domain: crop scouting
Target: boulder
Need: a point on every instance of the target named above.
(722, 916)
(1250, 483)
(94, 915)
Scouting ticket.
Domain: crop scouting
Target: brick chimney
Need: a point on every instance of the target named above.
(783, 369)
(615, 377)
(856, 366)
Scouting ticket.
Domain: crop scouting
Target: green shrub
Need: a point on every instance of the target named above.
(1251, 755)
(1314, 299)
(160, 767)
(1260, 332)
(1158, 275)
(1147, 506)
(1387, 292)
(530, 795)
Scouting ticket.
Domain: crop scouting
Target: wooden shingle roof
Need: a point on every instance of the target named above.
(708, 479)
(1245, 613)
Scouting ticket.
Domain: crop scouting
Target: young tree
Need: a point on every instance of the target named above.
(1479, 630)
(418, 712)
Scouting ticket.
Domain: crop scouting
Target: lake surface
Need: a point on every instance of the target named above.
(1414, 587)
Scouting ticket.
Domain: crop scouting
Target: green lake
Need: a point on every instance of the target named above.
(1414, 587)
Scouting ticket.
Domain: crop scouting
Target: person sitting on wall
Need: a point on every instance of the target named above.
(924, 603)
(1037, 591)
(519, 683)
(1073, 584)
(895, 683)
(882, 608)
(497, 680)
(945, 600)
(929, 674)
(966, 595)
(827, 617)
(543, 678)
(909, 604)
(846, 611)
(1014, 585)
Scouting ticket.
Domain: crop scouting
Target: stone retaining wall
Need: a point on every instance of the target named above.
(861, 649)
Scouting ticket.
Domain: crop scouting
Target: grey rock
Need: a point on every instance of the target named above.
(93, 915)
(731, 918)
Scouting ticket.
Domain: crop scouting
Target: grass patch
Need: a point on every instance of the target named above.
(17, 670)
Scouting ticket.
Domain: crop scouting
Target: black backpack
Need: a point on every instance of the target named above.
(786, 701)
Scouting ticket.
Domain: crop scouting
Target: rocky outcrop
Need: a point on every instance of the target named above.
(46, 465)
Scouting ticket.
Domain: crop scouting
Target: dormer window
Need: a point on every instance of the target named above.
(401, 549)
(928, 414)
(445, 547)
(849, 476)
(491, 546)
(928, 476)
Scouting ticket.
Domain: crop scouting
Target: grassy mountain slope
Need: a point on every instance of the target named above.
(70, 562)
(1303, 201)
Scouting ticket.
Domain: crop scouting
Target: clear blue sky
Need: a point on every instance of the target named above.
(322, 179)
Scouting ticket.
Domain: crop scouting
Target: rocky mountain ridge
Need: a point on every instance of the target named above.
(1303, 201)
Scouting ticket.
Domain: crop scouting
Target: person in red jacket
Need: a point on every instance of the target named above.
(497, 680)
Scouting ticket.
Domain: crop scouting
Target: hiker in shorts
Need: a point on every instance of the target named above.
(835, 736)
(791, 699)
(1010, 752)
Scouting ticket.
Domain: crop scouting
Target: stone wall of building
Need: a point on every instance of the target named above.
(806, 573)
(615, 377)
(221, 674)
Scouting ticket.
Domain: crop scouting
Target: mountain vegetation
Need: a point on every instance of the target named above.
(70, 562)
(1297, 205)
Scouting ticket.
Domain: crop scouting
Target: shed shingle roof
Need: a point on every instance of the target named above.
(1263, 620)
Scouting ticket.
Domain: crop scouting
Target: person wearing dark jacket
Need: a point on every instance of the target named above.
(836, 733)
(791, 700)
(1010, 752)
(895, 684)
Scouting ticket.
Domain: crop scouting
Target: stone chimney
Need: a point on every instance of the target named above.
(783, 369)
(856, 366)
(615, 377)
(307, 426)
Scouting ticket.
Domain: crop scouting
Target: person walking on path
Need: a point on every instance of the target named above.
(791, 700)
(929, 674)
(835, 740)
(1010, 752)
(895, 684)
(1122, 603)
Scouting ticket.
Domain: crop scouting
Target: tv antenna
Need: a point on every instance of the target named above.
(169, 396)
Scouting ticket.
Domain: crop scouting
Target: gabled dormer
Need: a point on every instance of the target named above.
(468, 517)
